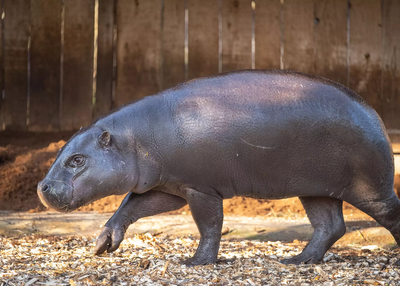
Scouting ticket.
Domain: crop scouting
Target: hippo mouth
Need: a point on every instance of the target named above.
(62, 196)
(42, 199)
(55, 197)
(47, 204)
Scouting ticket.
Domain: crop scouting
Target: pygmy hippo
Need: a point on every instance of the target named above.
(265, 134)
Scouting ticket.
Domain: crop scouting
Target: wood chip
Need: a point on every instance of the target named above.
(155, 260)
(165, 268)
(33, 280)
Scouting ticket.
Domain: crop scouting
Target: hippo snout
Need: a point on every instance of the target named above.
(56, 195)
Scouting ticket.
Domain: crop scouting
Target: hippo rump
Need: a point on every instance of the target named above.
(265, 134)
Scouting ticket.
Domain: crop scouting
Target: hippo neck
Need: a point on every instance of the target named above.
(135, 128)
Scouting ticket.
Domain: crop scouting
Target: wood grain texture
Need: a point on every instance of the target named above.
(366, 50)
(236, 34)
(105, 49)
(77, 97)
(16, 36)
(45, 65)
(391, 65)
(138, 49)
(2, 125)
(203, 38)
(330, 35)
(267, 34)
(173, 69)
(298, 35)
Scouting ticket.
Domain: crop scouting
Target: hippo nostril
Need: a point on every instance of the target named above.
(45, 188)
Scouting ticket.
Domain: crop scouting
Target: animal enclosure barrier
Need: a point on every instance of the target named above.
(65, 62)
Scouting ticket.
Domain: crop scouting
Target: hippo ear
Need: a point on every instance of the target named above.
(104, 139)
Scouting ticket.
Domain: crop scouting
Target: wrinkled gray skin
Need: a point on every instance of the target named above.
(259, 134)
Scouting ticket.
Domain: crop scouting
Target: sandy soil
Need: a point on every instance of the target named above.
(26, 157)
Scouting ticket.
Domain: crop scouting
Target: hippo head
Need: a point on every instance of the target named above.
(90, 166)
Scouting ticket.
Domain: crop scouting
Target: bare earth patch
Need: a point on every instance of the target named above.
(154, 260)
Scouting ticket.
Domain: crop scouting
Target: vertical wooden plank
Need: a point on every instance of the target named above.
(173, 43)
(203, 38)
(2, 125)
(267, 34)
(45, 65)
(298, 35)
(330, 28)
(138, 49)
(104, 82)
(16, 36)
(391, 65)
(366, 50)
(76, 106)
(236, 34)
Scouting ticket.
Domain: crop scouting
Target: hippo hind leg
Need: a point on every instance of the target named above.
(326, 217)
(385, 209)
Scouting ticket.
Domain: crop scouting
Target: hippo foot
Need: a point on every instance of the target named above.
(302, 258)
(197, 261)
(109, 240)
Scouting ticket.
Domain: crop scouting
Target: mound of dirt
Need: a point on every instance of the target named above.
(26, 157)
(21, 168)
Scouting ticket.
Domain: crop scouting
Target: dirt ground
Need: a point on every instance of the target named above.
(26, 157)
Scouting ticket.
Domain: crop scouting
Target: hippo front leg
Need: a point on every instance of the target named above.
(207, 212)
(132, 208)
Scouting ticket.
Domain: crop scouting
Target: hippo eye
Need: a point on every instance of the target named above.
(77, 161)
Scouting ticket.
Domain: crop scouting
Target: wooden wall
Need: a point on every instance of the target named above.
(65, 62)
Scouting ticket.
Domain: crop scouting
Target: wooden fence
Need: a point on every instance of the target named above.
(65, 62)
